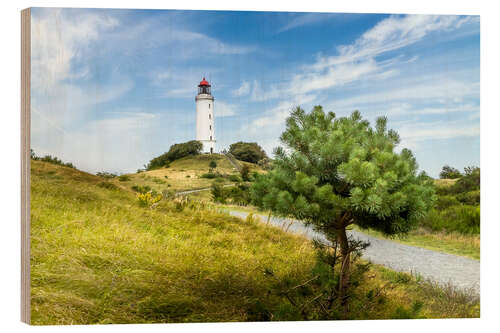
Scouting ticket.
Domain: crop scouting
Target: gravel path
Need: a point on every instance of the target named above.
(440, 267)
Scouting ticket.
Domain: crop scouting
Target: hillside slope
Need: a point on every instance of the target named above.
(185, 174)
(97, 257)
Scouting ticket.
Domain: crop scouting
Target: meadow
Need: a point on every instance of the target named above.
(98, 256)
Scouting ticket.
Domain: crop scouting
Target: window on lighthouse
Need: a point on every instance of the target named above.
(210, 127)
(209, 105)
(209, 116)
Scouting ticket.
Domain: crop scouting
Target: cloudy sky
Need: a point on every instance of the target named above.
(113, 88)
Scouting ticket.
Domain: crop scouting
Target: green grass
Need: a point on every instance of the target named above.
(437, 301)
(98, 257)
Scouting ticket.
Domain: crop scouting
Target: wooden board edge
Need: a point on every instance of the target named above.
(25, 163)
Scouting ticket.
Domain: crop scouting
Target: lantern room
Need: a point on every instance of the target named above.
(204, 87)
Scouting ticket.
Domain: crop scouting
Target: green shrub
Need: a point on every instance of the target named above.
(212, 165)
(50, 159)
(471, 181)
(175, 152)
(446, 201)
(234, 178)
(245, 173)
(141, 189)
(449, 173)
(240, 195)
(107, 185)
(462, 218)
(247, 151)
(124, 178)
(105, 174)
(218, 192)
(208, 175)
(469, 198)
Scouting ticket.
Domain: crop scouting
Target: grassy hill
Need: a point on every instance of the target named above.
(185, 174)
(99, 257)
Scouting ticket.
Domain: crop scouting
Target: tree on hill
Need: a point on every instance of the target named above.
(470, 181)
(175, 152)
(449, 173)
(247, 151)
(212, 165)
(335, 172)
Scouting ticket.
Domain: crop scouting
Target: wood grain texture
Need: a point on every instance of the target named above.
(25, 163)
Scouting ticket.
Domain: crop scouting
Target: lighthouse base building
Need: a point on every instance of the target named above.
(205, 131)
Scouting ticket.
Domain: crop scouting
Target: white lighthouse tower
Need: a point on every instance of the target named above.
(205, 132)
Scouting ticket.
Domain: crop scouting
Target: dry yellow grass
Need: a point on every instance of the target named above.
(184, 174)
(445, 182)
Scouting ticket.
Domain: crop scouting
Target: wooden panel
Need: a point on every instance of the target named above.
(25, 163)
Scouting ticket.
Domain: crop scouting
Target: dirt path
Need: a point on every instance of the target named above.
(199, 190)
(441, 267)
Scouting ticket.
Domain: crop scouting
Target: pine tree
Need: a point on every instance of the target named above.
(335, 172)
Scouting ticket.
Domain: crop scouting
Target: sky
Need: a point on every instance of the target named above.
(112, 88)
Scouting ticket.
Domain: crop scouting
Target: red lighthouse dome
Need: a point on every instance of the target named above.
(204, 83)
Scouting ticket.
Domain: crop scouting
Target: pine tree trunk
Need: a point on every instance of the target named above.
(344, 271)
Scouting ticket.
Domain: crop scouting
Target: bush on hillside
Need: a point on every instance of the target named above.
(176, 151)
(234, 178)
(449, 173)
(469, 198)
(446, 201)
(141, 189)
(50, 159)
(124, 178)
(240, 195)
(212, 165)
(247, 151)
(106, 175)
(245, 173)
(265, 164)
(471, 181)
(464, 219)
(218, 192)
(209, 175)
(108, 185)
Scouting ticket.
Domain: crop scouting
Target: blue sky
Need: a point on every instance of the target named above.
(113, 88)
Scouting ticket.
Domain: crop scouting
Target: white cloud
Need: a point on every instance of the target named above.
(243, 90)
(299, 20)
(413, 133)
(223, 109)
(391, 34)
(359, 63)
(430, 88)
(58, 39)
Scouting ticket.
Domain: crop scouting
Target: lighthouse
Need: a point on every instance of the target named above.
(205, 132)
